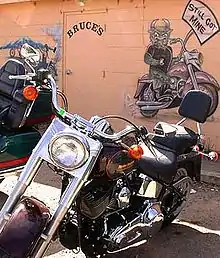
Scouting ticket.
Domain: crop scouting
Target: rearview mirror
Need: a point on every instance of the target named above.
(30, 53)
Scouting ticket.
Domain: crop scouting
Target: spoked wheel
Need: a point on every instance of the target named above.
(148, 96)
(213, 93)
(172, 204)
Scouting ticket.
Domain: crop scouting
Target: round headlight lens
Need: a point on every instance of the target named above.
(68, 152)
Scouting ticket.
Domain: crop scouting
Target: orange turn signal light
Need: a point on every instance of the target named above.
(136, 151)
(30, 93)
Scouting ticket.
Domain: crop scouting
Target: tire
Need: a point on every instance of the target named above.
(213, 93)
(149, 114)
(148, 97)
(169, 199)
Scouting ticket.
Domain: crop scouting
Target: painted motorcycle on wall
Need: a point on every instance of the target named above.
(184, 73)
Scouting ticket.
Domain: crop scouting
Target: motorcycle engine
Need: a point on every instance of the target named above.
(113, 217)
(94, 198)
(92, 203)
(133, 227)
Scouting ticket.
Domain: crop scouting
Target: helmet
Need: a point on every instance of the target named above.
(160, 32)
(160, 26)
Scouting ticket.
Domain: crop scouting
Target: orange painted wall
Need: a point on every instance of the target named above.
(126, 38)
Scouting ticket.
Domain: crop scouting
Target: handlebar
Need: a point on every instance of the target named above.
(182, 42)
(177, 40)
(116, 136)
(79, 121)
(28, 77)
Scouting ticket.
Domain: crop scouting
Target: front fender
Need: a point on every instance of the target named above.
(202, 78)
(23, 228)
(141, 85)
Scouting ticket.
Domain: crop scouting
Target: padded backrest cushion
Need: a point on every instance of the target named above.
(17, 110)
(7, 86)
(11, 96)
(195, 105)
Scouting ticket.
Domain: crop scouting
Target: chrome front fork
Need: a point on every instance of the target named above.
(65, 203)
(193, 77)
(23, 182)
(68, 198)
(78, 178)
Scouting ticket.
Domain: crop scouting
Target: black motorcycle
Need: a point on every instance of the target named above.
(24, 107)
(25, 111)
(118, 189)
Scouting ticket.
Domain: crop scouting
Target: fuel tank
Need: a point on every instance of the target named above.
(21, 232)
(179, 70)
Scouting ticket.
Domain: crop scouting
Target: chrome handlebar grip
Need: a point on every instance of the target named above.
(21, 77)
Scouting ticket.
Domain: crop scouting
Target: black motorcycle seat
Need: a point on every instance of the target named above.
(158, 162)
(177, 138)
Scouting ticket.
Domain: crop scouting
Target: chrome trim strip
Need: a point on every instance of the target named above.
(11, 171)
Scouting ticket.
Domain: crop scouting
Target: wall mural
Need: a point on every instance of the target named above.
(45, 50)
(170, 78)
(55, 32)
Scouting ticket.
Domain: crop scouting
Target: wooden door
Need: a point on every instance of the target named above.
(85, 62)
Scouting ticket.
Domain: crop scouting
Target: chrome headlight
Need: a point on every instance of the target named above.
(69, 151)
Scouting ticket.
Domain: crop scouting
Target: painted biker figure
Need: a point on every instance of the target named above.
(158, 85)
(159, 55)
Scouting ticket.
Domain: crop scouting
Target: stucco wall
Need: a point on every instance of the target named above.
(14, 1)
(125, 40)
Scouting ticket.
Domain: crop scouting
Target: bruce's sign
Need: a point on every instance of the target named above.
(201, 19)
(85, 25)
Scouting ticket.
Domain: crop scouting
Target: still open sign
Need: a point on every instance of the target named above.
(201, 19)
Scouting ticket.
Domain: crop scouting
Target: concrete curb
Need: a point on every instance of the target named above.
(210, 177)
